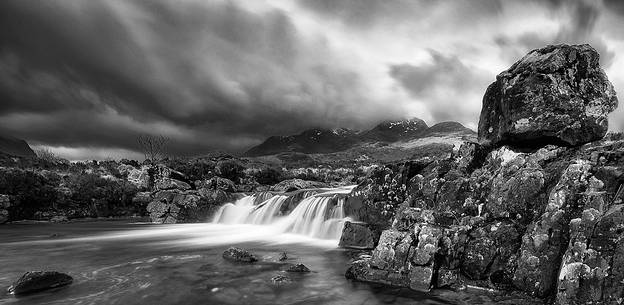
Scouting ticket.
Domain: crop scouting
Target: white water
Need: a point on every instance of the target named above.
(316, 220)
(319, 214)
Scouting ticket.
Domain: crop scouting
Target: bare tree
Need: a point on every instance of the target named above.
(154, 147)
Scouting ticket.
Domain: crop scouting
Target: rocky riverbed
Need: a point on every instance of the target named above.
(121, 262)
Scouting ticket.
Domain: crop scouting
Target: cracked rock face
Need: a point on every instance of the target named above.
(553, 95)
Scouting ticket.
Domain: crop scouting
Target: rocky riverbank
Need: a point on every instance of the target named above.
(535, 206)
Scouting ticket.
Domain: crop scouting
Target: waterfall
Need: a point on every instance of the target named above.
(319, 214)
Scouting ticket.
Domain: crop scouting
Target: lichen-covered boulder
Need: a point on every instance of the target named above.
(35, 281)
(554, 95)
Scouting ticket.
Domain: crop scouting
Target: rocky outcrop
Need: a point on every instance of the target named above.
(175, 201)
(169, 206)
(357, 235)
(5, 204)
(554, 95)
(234, 254)
(296, 184)
(544, 221)
(35, 281)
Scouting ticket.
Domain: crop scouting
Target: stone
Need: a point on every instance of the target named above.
(361, 270)
(281, 280)
(393, 251)
(59, 218)
(35, 281)
(296, 184)
(447, 278)
(420, 278)
(138, 176)
(171, 184)
(428, 239)
(216, 183)
(297, 268)
(234, 254)
(554, 95)
(356, 235)
(407, 217)
(170, 206)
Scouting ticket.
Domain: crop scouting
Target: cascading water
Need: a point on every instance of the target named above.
(319, 214)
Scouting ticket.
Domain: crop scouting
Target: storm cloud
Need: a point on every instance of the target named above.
(86, 78)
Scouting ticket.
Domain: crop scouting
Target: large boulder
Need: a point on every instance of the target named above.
(35, 281)
(357, 235)
(553, 95)
(172, 206)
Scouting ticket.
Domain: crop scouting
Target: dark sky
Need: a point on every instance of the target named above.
(85, 78)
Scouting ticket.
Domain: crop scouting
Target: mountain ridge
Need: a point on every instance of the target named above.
(323, 140)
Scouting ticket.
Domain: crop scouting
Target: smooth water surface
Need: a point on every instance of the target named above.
(120, 262)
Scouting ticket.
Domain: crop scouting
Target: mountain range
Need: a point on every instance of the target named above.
(320, 141)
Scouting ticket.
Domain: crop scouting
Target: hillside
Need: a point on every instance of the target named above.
(15, 147)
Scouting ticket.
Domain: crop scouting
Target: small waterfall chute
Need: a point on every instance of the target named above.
(319, 214)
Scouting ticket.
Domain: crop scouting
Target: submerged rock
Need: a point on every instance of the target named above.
(234, 254)
(35, 281)
(280, 280)
(297, 268)
(554, 95)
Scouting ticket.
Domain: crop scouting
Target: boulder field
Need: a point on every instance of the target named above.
(535, 206)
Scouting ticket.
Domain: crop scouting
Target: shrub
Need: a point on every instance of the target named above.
(268, 175)
(97, 196)
(230, 169)
(194, 169)
(30, 191)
